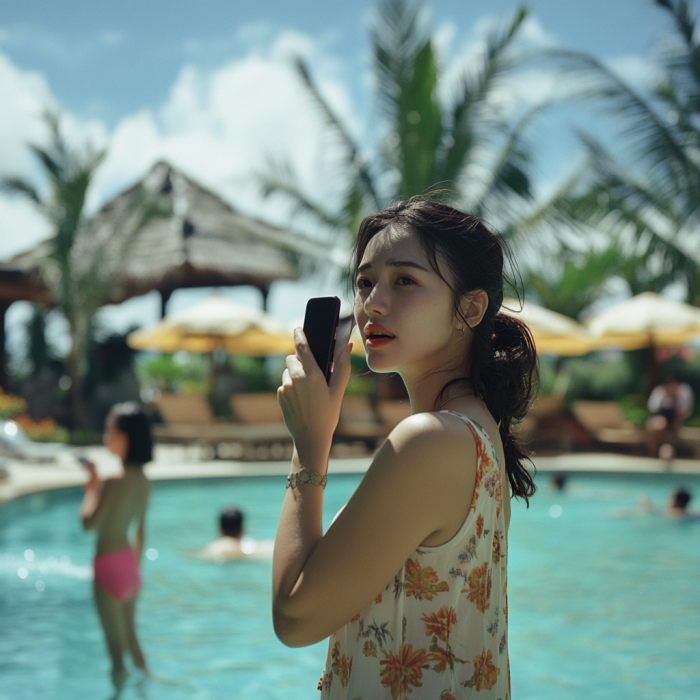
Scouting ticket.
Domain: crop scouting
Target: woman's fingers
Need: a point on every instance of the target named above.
(341, 372)
(305, 356)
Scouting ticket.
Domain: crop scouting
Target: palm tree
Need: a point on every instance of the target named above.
(83, 261)
(647, 198)
(467, 145)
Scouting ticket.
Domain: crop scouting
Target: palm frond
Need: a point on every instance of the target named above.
(651, 137)
(685, 64)
(580, 281)
(397, 36)
(280, 179)
(353, 154)
(510, 172)
(419, 125)
(648, 218)
(469, 111)
(17, 185)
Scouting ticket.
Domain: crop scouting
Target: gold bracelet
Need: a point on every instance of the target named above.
(306, 477)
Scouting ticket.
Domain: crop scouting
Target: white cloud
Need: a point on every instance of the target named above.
(639, 71)
(21, 226)
(221, 126)
(25, 95)
(534, 35)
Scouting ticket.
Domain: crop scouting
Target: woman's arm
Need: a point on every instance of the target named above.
(92, 506)
(141, 530)
(422, 478)
(420, 483)
(140, 540)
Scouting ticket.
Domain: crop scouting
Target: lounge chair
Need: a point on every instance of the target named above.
(15, 444)
(360, 421)
(189, 419)
(606, 424)
(256, 409)
(690, 437)
(545, 426)
(392, 412)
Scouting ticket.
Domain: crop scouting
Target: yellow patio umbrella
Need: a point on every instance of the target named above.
(217, 323)
(553, 333)
(647, 320)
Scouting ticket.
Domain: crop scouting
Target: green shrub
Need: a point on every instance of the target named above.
(634, 408)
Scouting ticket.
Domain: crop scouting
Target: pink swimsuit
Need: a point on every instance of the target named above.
(118, 574)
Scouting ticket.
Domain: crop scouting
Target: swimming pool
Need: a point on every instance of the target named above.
(599, 607)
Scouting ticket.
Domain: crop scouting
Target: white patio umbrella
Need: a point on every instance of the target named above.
(647, 320)
(217, 323)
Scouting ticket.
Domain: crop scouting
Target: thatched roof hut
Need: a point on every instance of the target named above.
(200, 241)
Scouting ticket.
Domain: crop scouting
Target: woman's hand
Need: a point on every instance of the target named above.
(310, 407)
(93, 479)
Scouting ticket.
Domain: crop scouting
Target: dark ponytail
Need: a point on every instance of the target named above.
(504, 371)
(502, 368)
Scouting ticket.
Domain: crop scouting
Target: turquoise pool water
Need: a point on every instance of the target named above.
(600, 607)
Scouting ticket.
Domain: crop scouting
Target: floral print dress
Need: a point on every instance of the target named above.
(439, 630)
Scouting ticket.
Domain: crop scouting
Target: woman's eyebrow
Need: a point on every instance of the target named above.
(394, 263)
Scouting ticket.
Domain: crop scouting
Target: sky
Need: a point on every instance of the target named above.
(208, 86)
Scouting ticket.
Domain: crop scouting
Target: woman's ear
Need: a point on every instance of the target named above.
(473, 307)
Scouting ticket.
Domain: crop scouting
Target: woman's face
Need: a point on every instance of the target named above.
(404, 309)
(116, 441)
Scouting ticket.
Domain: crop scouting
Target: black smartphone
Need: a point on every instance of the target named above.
(321, 330)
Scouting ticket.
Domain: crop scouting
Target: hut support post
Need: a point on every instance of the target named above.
(164, 297)
(264, 290)
(4, 306)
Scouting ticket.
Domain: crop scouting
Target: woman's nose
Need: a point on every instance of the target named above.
(376, 302)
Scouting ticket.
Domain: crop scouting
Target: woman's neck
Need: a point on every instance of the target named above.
(424, 392)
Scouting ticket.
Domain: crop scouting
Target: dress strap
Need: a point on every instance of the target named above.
(479, 433)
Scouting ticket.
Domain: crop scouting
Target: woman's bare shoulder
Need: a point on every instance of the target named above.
(433, 425)
(441, 437)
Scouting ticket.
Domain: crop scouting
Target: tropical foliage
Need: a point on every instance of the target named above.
(82, 260)
(579, 279)
(646, 195)
(468, 143)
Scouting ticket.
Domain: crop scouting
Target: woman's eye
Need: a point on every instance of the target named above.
(403, 281)
(363, 283)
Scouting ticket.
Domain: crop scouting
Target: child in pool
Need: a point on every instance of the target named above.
(410, 579)
(111, 507)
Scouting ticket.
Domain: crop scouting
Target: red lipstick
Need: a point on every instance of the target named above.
(377, 336)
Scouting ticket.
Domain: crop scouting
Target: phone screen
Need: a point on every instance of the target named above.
(321, 330)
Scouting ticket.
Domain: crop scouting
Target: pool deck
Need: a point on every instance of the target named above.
(21, 477)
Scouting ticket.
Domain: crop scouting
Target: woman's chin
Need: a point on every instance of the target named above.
(380, 365)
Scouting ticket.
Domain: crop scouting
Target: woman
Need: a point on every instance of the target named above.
(410, 579)
(111, 507)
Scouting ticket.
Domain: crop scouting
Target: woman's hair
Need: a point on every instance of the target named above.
(130, 419)
(502, 363)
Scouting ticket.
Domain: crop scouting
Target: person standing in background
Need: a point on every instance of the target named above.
(110, 507)
(670, 405)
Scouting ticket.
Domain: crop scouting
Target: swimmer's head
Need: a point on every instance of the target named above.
(231, 522)
(558, 481)
(128, 434)
(680, 498)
